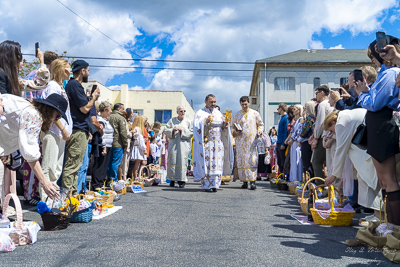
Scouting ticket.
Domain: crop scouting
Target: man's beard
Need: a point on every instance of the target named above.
(85, 78)
(211, 108)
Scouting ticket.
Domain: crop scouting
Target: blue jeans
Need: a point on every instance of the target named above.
(82, 173)
(115, 161)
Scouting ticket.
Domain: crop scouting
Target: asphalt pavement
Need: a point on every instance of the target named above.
(189, 227)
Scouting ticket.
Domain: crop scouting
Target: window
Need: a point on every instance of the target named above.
(317, 82)
(284, 84)
(277, 118)
(254, 101)
(162, 116)
(138, 111)
(343, 80)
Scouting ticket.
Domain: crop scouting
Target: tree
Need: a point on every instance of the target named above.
(35, 64)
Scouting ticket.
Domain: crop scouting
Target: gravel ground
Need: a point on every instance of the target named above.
(189, 227)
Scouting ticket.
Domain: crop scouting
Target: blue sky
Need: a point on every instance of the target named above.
(224, 30)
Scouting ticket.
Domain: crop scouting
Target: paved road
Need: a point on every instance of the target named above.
(190, 227)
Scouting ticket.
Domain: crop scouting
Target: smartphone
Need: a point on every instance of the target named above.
(358, 76)
(381, 41)
(94, 87)
(36, 48)
(337, 90)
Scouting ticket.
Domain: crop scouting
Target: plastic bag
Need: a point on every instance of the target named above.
(6, 244)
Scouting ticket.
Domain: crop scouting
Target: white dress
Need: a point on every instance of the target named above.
(138, 151)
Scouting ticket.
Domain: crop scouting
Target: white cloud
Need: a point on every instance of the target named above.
(339, 46)
(224, 30)
(315, 44)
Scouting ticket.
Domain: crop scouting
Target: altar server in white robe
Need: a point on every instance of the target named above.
(212, 146)
(179, 132)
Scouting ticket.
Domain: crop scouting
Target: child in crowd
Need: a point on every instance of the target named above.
(155, 149)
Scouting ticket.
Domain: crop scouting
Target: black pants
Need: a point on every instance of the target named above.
(306, 153)
(280, 155)
(99, 171)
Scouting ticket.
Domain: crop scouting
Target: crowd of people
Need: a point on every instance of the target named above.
(52, 122)
(319, 138)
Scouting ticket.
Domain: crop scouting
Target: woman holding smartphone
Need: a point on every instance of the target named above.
(381, 100)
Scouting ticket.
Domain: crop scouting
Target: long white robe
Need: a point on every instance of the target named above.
(179, 147)
(212, 149)
(368, 186)
(246, 143)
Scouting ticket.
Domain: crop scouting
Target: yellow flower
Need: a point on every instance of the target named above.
(74, 202)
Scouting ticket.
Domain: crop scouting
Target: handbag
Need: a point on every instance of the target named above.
(21, 233)
(360, 136)
(15, 161)
(267, 159)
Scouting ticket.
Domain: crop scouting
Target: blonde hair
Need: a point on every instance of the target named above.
(300, 108)
(330, 119)
(58, 70)
(138, 121)
(310, 108)
(370, 72)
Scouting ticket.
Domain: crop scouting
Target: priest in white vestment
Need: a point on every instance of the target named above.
(179, 132)
(251, 126)
(212, 146)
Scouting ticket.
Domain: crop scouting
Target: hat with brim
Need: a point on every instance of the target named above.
(56, 101)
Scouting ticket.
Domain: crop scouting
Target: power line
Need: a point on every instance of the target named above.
(160, 60)
(191, 74)
(159, 68)
(162, 68)
(95, 27)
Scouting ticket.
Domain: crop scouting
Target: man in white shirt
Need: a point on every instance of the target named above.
(319, 152)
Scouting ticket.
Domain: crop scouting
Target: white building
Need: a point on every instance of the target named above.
(155, 105)
(291, 78)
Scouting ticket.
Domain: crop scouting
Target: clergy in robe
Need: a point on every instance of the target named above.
(179, 132)
(212, 146)
(246, 126)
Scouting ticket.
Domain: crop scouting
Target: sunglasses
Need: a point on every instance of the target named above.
(182, 110)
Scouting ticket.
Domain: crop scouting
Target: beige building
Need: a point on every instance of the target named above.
(291, 78)
(155, 105)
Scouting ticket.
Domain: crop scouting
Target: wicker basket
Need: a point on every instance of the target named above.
(293, 187)
(106, 199)
(303, 200)
(83, 216)
(274, 181)
(282, 186)
(337, 218)
(123, 191)
(56, 221)
(226, 178)
(274, 174)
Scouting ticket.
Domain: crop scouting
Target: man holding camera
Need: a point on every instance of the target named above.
(246, 126)
(80, 107)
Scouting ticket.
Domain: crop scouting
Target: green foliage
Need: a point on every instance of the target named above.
(31, 66)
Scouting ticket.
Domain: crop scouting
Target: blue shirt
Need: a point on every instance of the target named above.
(282, 129)
(383, 93)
